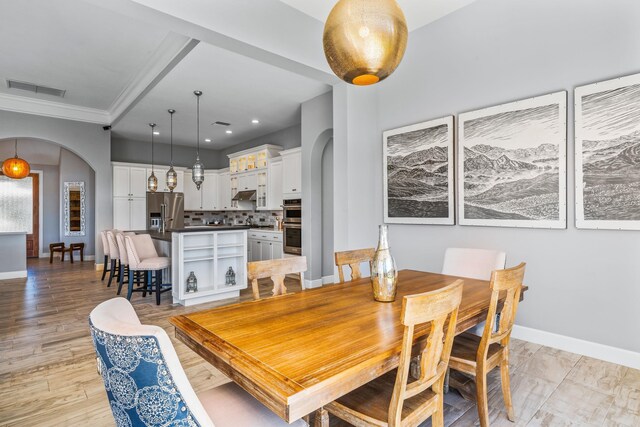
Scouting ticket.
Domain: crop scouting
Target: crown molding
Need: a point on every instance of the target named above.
(173, 48)
(23, 104)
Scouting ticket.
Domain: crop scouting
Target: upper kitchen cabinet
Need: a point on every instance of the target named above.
(253, 158)
(205, 199)
(224, 191)
(292, 173)
(269, 192)
(129, 181)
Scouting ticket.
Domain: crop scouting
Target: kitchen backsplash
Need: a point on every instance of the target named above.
(267, 218)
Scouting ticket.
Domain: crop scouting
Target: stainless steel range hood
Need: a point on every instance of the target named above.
(245, 196)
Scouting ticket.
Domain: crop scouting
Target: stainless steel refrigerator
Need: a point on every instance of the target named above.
(173, 210)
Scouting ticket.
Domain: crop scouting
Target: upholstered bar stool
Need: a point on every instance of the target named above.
(143, 257)
(139, 277)
(146, 385)
(114, 255)
(105, 250)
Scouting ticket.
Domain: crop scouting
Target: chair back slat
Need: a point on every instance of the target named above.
(507, 283)
(276, 269)
(440, 309)
(353, 259)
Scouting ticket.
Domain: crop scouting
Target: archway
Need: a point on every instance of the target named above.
(314, 245)
(56, 165)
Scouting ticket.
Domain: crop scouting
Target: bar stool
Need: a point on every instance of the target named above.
(105, 250)
(124, 262)
(143, 257)
(114, 255)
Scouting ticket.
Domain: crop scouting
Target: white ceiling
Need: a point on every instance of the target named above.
(91, 53)
(236, 89)
(417, 12)
(33, 151)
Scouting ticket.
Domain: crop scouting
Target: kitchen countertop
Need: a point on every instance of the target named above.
(166, 236)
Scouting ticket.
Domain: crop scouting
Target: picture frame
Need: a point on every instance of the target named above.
(607, 154)
(418, 173)
(511, 164)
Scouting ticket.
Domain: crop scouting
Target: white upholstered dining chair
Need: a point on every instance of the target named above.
(472, 263)
(114, 255)
(105, 250)
(146, 385)
(143, 257)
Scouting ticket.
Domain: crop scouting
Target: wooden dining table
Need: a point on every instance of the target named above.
(297, 352)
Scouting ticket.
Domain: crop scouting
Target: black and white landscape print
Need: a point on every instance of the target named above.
(418, 173)
(512, 164)
(608, 154)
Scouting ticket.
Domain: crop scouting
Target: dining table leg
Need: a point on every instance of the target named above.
(322, 418)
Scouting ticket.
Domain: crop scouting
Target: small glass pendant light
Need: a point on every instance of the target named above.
(172, 176)
(152, 182)
(197, 171)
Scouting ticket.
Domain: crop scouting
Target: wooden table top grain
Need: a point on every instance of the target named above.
(298, 352)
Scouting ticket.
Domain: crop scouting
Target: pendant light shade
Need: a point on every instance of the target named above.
(364, 40)
(152, 182)
(172, 176)
(15, 167)
(197, 171)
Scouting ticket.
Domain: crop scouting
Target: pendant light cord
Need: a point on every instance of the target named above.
(171, 112)
(16, 147)
(198, 129)
(152, 127)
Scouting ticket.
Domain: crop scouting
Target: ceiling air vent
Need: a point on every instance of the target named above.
(32, 87)
(219, 123)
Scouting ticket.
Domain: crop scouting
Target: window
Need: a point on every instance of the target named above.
(16, 204)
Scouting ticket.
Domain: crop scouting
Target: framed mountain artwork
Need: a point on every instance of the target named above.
(418, 173)
(512, 169)
(608, 154)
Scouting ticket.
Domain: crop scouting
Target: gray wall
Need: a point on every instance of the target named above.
(74, 169)
(140, 151)
(316, 131)
(287, 138)
(50, 204)
(583, 283)
(87, 140)
(124, 150)
(13, 250)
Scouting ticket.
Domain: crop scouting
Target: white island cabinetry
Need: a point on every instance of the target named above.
(208, 254)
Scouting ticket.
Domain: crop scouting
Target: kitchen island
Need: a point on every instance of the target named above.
(208, 252)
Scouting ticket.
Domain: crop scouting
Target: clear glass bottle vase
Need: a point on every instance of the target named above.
(384, 274)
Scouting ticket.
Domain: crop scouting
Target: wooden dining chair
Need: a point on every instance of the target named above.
(276, 269)
(353, 259)
(476, 356)
(390, 400)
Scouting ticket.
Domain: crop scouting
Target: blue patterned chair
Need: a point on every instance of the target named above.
(146, 385)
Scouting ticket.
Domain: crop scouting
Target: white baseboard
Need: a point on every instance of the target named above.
(328, 279)
(574, 345)
(66, 258)
(19, 274)
(315, 283)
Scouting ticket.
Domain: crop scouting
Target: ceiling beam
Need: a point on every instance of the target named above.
(245, 27)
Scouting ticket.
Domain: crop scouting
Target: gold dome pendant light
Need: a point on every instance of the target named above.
(15, 167)
(197, 170)
(152, 182)
(364, 40)
(172, 175)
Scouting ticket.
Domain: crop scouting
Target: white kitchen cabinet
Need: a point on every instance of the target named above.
(192, 196)
(233, 190)
(265, 245)
(161, 174)
(224, 190)
(129, 197)
(261, 192)
(210, 192)
(274, 189)
(248, 181)
(291, 173)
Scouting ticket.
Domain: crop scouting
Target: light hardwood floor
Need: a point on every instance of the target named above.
(48, 375)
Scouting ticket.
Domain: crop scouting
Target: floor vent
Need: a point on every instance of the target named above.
(32, 87)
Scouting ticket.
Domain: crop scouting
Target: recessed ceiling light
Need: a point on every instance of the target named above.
(155, 132)
(229, 131)
(207, 140)
(255, 121)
